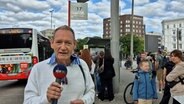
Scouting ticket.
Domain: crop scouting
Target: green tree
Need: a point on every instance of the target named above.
(81, 42)
(125, 44)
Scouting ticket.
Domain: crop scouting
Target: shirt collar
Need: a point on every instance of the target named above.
(74, 58)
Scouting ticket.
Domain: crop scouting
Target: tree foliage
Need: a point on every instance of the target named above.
(138, 44)
(124, 44)
(81, 43)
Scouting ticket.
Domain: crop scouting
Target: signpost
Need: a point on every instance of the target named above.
(79, 11)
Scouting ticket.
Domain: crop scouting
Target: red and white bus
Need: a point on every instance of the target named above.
(20, 49)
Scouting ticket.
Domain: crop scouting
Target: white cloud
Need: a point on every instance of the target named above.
(35, 13)
(155, 12)
(90, 27)
(32, 4)
(151, 9)
(153, 24)
(29, 16)
(141, 2)
(100, 8)
(13, 7)
(176, 6)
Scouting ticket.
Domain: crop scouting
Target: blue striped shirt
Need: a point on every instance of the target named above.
(74, 58)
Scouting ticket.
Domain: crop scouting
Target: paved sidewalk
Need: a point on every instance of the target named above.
(119, 96)
(125, 77)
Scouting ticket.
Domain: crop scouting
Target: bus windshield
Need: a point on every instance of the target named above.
(18, 40)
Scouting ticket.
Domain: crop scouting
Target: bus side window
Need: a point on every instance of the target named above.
(44, 48)
(40, 48)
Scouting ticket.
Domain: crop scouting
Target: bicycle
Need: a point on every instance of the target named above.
(128, 93)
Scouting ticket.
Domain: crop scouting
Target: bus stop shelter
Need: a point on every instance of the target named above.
(98, 42)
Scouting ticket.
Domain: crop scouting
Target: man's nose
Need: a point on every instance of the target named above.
(62, 46)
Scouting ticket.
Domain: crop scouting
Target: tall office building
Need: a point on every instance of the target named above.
(125, 26)
(173, 30)
(153, 42)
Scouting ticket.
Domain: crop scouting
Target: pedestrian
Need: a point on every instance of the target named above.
(152, 62)
(177, 75)
(138, 59)
(166, 95)
(106, 77)
(85, 55)
(1, 69)
(144, 89)
(159, 70)
(143, 56)
(128, 63)
(98, 62)
(77, 52)
(78, 88)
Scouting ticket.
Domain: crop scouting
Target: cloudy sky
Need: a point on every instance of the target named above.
(36, 14)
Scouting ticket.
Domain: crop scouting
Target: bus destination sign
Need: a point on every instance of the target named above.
(14, 31)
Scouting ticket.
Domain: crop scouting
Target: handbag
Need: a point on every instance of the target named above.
(173, 83)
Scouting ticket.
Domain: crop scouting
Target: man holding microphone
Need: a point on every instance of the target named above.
(77, 86)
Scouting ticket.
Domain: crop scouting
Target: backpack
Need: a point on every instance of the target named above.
(152, 74)
(164, 61)
(161, 61)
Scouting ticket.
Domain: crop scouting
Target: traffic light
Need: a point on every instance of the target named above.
(82, 1)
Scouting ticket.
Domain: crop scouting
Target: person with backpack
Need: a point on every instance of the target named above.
(144, 89)
(159, 70)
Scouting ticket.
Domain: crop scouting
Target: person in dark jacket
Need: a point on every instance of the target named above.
(166, 96)
(128, 63)
(106, 77)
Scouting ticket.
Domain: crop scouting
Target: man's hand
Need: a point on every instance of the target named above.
(54, 91)
(77, 101)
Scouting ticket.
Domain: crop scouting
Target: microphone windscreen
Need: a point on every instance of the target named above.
(60, 71)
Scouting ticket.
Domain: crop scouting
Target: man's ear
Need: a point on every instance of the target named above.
(75, 44)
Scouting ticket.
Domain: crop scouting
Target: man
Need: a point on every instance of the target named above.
(138, 59)
(159, 70)
(144, 56)
(42, 88)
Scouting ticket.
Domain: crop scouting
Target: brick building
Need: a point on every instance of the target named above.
(125, 26)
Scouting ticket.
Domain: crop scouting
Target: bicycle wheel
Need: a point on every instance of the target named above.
(128, 94)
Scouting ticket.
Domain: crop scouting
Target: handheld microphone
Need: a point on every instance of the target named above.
(59, 72)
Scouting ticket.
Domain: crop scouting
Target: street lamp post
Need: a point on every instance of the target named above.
(132, 38)
(51, 11)
(69, 4)
(115, 42)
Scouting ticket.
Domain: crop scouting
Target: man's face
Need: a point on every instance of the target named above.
(63, 45)
(143, 56)
(101, 55)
